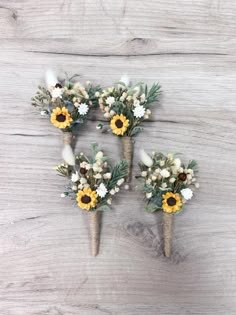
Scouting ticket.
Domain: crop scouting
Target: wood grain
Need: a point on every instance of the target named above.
(45, 262)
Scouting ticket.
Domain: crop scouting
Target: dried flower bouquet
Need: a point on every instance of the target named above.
(166, 184)
(93, 182)
(126, 106)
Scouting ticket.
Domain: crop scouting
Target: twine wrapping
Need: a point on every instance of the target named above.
(127, 151)
(94, 221)
(167, 220)
(67, 137)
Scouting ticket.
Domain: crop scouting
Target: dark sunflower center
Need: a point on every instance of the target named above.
(182, 176)
(119, 123)
(83, 170)
(86, 199)
(61, 118)
(171, 201)
(58, 85)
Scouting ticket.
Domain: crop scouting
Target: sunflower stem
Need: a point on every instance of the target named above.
(127, 152)
(167, 220)
(94, 220)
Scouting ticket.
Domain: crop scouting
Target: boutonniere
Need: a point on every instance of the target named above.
(66, 104)
(168, 185)
(93, 182)
(126, 106)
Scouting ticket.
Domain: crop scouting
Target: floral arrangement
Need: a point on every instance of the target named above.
(93, 182)
(126, 107)
(66, 103)
(166, 184)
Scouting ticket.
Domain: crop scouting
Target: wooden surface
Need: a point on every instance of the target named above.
(45, 262)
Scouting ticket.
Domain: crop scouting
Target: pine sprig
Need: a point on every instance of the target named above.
(153, 93)
(119, 171)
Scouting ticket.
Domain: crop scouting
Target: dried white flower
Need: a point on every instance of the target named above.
(107, 176)
(154, 178)
(165, 173)
(143, 173)
(109, 201)
(177, 163)
(117, 189)
(83, 109)
(83, 180)
(101, 190)
(97, 176)
(145, 158)
(75, 177)
(136, 103)
(142, 98)
(162, 163)
(110, 100)
(97, 94)
(172, 180)
(112, 192)
(74, 187)
(68, 155)
(148, 195)
(187, 193)
(57, 92)
(163, 185)
(125, 79)
(120, 181)
(50, 78)
(139, 111)
(99, 155)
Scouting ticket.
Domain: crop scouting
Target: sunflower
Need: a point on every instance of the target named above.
(86, 198)
(171, 202)
(119, 124)
(60, 117)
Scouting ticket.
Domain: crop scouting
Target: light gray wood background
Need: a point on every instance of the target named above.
(45, 262)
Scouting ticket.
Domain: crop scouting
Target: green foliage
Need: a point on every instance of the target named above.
(153, 93)
(119, 171)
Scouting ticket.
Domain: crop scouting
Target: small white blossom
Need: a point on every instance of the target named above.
(74, 187)
(139, 111)
(165, 173)
(97, 176)
(170, 156)
(107, 176)
(162, 163)
(163, 185)
(99, 155)
(143, 173)
(43, 113)
(120, 181)
(63, 195)
(143, 98)
(57, 92)
(172, 180)
(148, 181)
(148, 195)
(145, 158)
(137, 103)
(101, 190)
(74, 177)
(154, 178)
(177, 163)
(112, 192)
(83, 180)
(83, 109)
(117, 189)
(110, 100)
(97, 94)
(109, 201)
(187, 193)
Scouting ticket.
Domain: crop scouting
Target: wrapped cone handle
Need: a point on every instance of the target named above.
(67, 137)
(94, 221)
(167, 220)
(127, 152)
